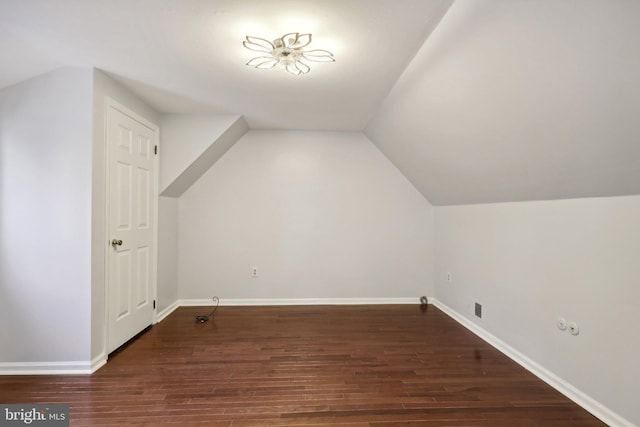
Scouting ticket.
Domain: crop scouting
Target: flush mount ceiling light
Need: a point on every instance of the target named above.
(287, 52)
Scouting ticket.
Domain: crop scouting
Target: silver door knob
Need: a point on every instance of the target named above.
(116, 242)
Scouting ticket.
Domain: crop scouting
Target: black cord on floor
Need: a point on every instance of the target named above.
(203, 318)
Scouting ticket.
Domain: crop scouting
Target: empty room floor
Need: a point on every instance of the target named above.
(383, 365)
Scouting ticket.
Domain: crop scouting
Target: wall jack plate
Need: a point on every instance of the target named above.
(477, 310)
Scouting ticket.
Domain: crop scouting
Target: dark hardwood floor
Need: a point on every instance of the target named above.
(310, 365)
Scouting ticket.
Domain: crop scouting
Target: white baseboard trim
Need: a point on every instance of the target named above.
(98, 362)
(45, 368)
(598, 410)
(297, 301)
(167, 311)
(53, 368)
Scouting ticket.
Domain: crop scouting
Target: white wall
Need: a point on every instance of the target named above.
(190, 145)
(320, 214)
(45, 219)
(104, 86)
(184, 138)
(529, 263)
(167, 252)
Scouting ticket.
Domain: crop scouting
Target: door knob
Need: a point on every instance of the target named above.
(116, 242)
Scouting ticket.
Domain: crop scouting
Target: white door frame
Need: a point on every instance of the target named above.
(109, 104)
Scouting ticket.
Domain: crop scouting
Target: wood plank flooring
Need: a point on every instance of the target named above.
(392, 365)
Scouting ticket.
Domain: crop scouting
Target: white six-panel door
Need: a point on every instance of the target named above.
(131, 216)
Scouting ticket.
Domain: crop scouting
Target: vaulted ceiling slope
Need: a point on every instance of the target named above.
(184, 56)
(474, 101)
(512, 100)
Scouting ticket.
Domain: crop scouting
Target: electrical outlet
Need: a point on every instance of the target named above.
(449, 277)
(254, 271)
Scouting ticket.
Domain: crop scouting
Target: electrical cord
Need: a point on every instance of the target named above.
(424, 304)
(205, 318)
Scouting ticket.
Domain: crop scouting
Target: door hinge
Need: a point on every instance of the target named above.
(154, 304)
(155, 150)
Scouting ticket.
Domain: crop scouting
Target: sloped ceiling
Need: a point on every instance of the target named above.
(479, 101)
(191, 144)
(520, 100)
(184, 56)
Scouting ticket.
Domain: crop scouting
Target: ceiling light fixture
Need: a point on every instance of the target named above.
(286, 51)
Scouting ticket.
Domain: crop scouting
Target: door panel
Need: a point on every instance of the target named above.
(124, 191)
(131, 224)
(122, 283)
(142, 292)
(144, 199)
